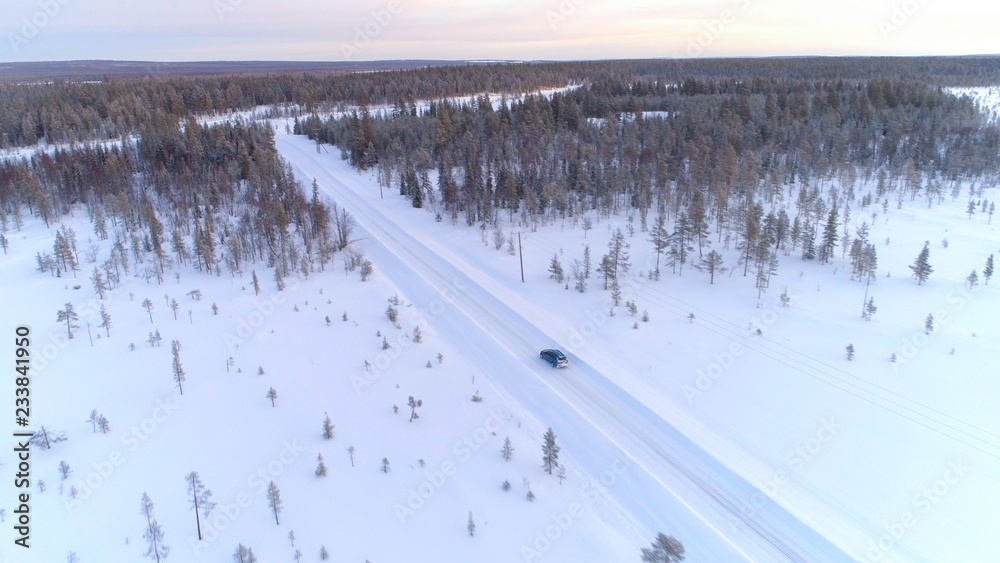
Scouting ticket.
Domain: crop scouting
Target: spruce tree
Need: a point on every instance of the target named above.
(921, 266)
(550, 452)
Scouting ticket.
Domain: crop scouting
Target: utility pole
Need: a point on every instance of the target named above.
(520, 254)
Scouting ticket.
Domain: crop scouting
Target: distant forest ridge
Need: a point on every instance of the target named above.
(62, 112)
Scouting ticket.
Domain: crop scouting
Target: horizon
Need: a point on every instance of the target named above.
(552, 31)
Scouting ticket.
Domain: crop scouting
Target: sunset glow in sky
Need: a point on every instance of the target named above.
(320, 30)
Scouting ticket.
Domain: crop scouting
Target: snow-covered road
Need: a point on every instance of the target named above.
(671, 485)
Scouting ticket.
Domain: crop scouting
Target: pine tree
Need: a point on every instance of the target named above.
(973, 280)
(147, 304)
(97, 278)
(154, 534)
(929, 324)
(870, 309)
(471, 527)
(413, 404)
(988, 270)
(508, 449)
(660, 238)
(68, 316)
(244, 554)
(175, 350)
(664, 549)
(272, 395)
(850, 352)
(274, 501)
(711, 263)
(550, 452)
(829, 237)
(174, 306)
(922, 267)
(105, 320)
(320, 467)
(327, 428)
(201, 498)
(556, 270)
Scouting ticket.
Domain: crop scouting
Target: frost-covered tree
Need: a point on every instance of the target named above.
(320, 467)
(272, 395)
(507, 451)
(244, 554)
(921, 266)
(870, 309)
(174, 306)
(97, 279)
(327, 428)
(350, 452)
(274, 501)
(471, 526)
(256, 283)
(929, 324)
(413, 404)
(556, 269)
(178, 369)
(711, 263)
(68, 315)
(664, 549)
(550, 452)
(829, 242)
(147, 304)
(366, 270)
(660, 238)
(105, 320)
(988, 270)
(45, 437)
(154, 533)
(850, 352)
(972, 280)
(64, 470)
(201, 498)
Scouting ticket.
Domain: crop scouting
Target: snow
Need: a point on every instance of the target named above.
(224, 427)
(849, 449)
(986, 97)
(744, 445)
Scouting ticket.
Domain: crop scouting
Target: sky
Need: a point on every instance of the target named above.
(338, 30)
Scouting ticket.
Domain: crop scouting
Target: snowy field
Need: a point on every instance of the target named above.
(889, 460)
(442, 465)
(735, 424)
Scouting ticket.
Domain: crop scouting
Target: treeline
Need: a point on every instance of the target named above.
(213, 198)
(63, 112)
(728, 142)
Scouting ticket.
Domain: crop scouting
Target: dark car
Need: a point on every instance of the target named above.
(554, 357)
